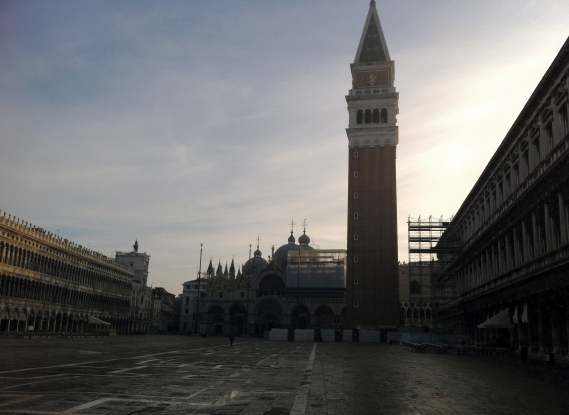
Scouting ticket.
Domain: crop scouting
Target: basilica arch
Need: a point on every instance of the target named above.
(269, 315)
(237, 319)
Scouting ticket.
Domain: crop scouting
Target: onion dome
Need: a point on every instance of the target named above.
(304, 239)
(291, 239)
(257, 253)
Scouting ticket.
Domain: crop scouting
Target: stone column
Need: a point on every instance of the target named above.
(522, 342)
(500, 259)
(548, 242)
(536, 238)
(567, 318)
(555, 331)
(541, 328)
(562, 219)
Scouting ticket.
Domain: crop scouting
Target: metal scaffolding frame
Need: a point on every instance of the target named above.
(433, 247)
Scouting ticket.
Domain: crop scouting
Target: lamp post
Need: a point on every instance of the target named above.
(248, 287)
(198, 300)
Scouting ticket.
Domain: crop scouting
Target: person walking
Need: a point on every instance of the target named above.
(231, 338)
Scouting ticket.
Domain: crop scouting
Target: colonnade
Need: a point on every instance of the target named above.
(12, 254)
(539, 324)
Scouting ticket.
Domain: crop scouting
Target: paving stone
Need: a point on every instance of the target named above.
(173, 375)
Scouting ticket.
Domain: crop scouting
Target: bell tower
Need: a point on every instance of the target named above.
(372, 287)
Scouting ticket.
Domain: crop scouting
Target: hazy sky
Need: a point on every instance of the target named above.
(180, 123)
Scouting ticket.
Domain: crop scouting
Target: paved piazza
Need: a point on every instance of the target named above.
(180, 375)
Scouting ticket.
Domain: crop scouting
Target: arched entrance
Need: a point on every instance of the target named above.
(323, 318)
(269, 314)
(216, 316)
(238, 319)
(300, 317)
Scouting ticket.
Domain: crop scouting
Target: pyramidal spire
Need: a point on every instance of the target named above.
(372, 47)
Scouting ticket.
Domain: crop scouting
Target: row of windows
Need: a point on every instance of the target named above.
(26, 259)
(371, 117)
(221, 294)
(40, 291)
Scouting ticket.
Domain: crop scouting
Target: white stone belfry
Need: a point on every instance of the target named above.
(372, 101)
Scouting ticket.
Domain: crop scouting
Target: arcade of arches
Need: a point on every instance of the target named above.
(52, 285)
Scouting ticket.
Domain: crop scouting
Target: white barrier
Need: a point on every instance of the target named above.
(328, 335)
(278, 334)
(370, 336)
(303, 335)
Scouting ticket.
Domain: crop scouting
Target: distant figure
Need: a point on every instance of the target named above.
(231, 338)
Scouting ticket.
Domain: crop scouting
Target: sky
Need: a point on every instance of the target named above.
(180, 123)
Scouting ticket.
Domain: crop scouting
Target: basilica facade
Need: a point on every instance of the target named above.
(297, 287)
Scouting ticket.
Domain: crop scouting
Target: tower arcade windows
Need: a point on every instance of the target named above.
(376, 116)
(369, 116)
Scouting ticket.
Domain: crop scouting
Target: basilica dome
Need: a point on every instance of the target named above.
(256, 264)
(281, 254)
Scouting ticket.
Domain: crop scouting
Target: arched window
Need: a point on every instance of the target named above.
(360, 117)
(355, 195)
(356, 154)
(355, 303)
(356, 175)
(376, 116)
(356, 215)
(355, 237)
(415, 287)
(383, 115)
(368, 117)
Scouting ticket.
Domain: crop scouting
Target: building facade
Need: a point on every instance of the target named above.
(277, 293)
(415, 297)
(51, 285)
(141, 294)
(372, 264)
(508, 283)
(188, 304)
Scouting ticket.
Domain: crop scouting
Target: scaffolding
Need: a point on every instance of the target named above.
(433, 247)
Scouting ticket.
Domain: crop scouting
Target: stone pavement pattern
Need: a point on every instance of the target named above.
(171, 375)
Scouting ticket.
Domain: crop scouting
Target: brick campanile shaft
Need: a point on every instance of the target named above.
(372, 275)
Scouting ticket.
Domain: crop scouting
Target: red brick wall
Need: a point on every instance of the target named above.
(377, 291)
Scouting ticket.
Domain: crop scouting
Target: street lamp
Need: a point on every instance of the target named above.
(248, 288)
(199, 283)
